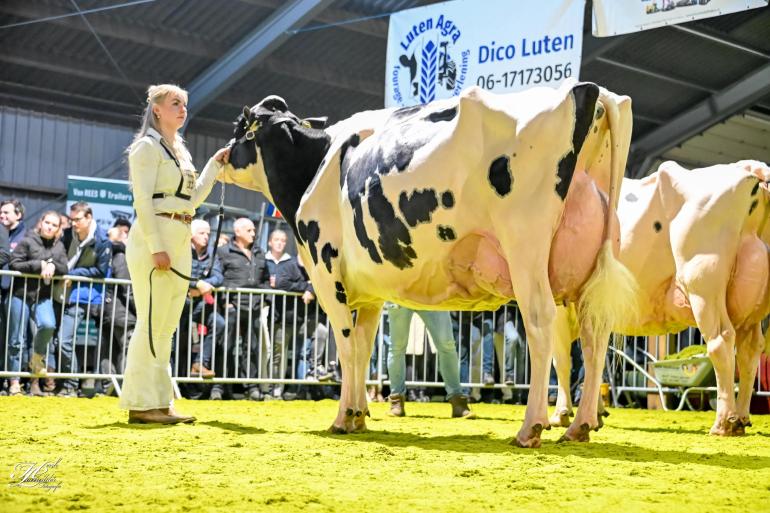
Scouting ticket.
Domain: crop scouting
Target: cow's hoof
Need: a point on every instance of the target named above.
(576, 434)
(359, 424)
(605, 413)
(560, 418)
(730, 426)
(336, 430)
(533, 442)
(599, 422)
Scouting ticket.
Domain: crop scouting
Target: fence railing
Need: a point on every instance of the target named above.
(270, 338)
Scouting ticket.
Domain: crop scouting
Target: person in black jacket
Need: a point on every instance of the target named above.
(118, 319)
(285, 274)
(41, 253)
(201, 308)
(243, 265)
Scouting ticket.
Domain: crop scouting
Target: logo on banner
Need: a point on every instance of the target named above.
(431, 64)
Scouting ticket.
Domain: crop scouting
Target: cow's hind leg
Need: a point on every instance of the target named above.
(367, 321)
(712, 319)
(539, 312)
(594, 345)
(749, 346)
(563, 364)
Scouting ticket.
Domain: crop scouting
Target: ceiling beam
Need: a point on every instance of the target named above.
(71, 66)
(374, 27)
(312, 72)
(717, 107)
(654, 74)
(253, 48)
(154, 36)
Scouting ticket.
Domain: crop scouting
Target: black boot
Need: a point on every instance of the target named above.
(396, 405)
(460, 407)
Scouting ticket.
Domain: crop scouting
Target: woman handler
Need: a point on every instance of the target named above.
(166, 192)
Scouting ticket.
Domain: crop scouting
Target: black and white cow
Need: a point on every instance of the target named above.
(460, 204)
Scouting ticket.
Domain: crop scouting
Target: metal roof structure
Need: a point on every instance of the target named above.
(701, 90)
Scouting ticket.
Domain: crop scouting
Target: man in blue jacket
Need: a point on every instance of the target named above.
(88, 253)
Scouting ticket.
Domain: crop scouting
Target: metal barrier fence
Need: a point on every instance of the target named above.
(269, 338)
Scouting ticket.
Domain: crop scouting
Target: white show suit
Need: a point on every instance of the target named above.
(161, 184)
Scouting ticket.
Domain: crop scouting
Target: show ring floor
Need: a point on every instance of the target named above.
(278, 456)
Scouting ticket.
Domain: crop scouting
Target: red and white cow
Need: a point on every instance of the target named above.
(693, 240)
(460, 204)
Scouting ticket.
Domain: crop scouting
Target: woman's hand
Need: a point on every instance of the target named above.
(161, 260)
(222, 155)
(47, 270)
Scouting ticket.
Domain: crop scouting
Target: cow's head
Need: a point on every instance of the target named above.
(266, 127)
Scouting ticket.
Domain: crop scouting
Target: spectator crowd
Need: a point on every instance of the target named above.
(63, 317)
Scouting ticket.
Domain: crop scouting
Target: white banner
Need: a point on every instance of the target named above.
(438, 50)
(108, 199)
(613, 17)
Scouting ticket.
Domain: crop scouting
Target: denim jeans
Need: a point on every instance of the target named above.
(439, 325)
(73, 315)
(479, 348)
(214, 323)
(45, 323)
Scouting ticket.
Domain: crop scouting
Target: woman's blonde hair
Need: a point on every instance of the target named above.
(39, 225)
(157, 94)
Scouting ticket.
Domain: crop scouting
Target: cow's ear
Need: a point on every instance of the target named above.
(246, 112)
(318, 122)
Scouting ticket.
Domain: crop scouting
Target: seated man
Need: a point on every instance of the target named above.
(439, 325)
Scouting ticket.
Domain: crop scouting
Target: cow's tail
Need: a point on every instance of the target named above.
(608, 298)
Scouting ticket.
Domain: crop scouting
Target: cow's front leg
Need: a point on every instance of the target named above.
(749, 346)
(367, 321)
(344, 422)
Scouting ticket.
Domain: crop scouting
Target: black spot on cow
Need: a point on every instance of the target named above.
(361, 235)
(327, 253)
(346, 334)
(308, 234)
(394, 241)
(596, 129)
(755, 189)
(500, 176)
(341, 296)
(353, 141)
(753, 206)
(418, 207)
(446, 233)
(447, 199)
(362, 178)
(405, 112)
(584, 96)
(631, 197)
(599, 112)
(657, 226)
(443, 115)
